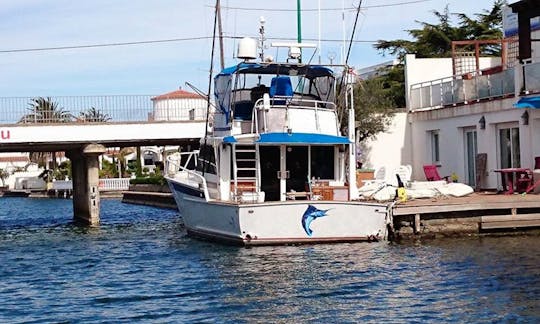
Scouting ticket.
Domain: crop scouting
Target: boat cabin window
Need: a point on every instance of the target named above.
(322, 162)
(207, 160)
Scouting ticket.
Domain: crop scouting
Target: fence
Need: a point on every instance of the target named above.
(461, 89)
(108, 184)
(88, 109)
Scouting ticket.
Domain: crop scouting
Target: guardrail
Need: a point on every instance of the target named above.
(461, 89)
(531, 74)
(92, 109)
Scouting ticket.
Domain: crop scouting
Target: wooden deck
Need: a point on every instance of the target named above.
(474, 201)
(478, 211)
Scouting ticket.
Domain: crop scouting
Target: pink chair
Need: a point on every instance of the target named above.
(430, 170)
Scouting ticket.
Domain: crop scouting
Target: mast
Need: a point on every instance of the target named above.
(299, 20)
(349, 86)
(319, 30)
(220, 28)
(299, 26)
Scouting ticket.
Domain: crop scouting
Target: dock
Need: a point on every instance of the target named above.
(472, 214)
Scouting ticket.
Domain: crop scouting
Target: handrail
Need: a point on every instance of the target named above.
(315, 105)
(183, 168)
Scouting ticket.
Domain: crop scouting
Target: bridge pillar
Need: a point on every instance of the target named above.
(85, 174)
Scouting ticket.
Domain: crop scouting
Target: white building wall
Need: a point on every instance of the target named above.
(179, 109)
(499, 113)
(390, 149)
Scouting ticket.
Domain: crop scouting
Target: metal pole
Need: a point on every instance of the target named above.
(319, 49)
(220, 28)
(299, 20)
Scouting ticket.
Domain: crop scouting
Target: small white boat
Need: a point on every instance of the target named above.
(275, 168)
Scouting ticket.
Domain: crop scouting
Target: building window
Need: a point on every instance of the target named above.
(435, 157)
(192, 114)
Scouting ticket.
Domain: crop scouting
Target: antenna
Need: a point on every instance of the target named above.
(262, 21)
(319, 47)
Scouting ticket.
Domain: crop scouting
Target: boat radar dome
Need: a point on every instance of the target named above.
(247, 48)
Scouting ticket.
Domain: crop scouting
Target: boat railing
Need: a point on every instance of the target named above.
(264, 106)
(174, 167)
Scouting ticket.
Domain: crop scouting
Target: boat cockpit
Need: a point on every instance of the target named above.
(245, 94)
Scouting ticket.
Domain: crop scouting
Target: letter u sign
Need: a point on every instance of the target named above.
(4, 134)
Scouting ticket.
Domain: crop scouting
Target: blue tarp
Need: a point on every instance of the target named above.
(528, 102)
(229, 139)
(301, 138)
(294, 138)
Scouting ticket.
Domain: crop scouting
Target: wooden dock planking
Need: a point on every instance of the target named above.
(489, 211)
(472, 202)
(510, 221)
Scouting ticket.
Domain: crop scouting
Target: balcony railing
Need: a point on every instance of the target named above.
(461, 89)
(531, 74)
(87, 109)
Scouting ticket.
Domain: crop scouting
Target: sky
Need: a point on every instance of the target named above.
(154, 68)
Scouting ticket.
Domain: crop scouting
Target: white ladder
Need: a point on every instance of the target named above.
(245, 168)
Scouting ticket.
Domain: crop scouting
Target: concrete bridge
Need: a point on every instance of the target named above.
(84, 126)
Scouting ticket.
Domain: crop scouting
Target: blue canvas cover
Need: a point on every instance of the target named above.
(528, 102)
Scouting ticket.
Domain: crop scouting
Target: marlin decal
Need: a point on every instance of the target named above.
(309, 215)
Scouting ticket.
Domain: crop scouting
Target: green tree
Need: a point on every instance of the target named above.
(45, 110)
(93, 115)
(435, 40)
(108, 169)
(374, 107)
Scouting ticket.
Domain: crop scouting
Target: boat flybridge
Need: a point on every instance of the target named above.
(274, 167)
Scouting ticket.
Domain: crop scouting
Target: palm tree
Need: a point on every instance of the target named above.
(93, 115)
(3, 176)
(121, 156)
(44, 110)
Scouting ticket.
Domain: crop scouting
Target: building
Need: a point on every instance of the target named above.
(472, 115)
(179, 105)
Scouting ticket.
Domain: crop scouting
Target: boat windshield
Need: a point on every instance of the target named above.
(317, 88)
(247, 82)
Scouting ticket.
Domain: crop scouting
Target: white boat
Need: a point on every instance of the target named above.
(274, 169)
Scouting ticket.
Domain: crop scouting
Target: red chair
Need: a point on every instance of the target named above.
(430, 170)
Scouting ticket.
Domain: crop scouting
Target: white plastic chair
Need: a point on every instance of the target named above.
(404, 172)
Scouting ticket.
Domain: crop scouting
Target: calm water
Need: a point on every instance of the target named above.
(140, 266)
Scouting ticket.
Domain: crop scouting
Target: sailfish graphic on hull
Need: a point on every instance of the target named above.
(311, 214)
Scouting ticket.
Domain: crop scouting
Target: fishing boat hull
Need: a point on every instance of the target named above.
(287, 222)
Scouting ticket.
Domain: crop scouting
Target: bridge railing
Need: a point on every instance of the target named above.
(91, 109)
